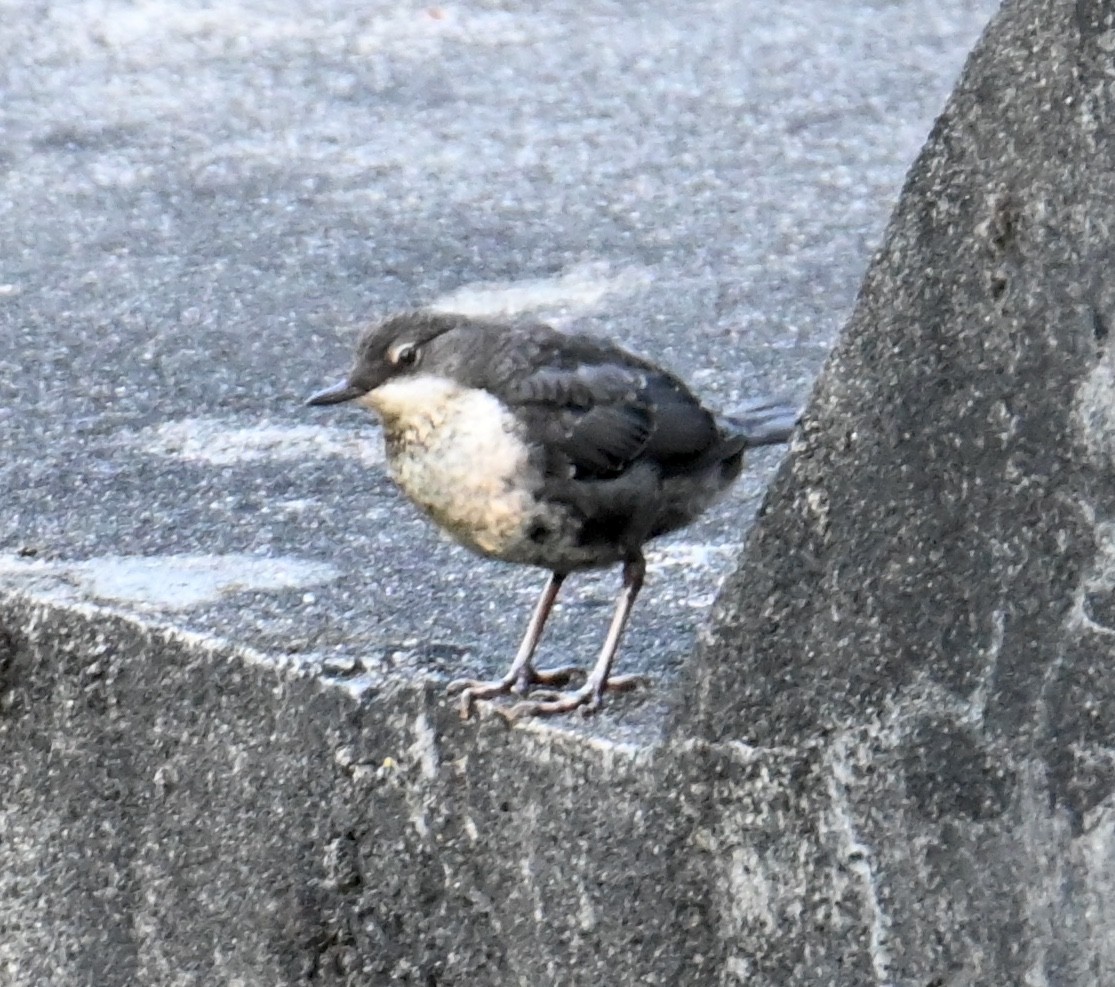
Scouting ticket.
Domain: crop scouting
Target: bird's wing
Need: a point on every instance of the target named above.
(597, 408)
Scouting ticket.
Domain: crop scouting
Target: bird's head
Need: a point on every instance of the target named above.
(393, 351)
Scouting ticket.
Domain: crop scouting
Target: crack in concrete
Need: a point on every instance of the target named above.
(857, 856)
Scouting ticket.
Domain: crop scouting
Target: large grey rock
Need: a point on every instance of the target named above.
(929, 594)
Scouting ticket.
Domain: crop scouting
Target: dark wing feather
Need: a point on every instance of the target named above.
(590, 418)
(683, 429)
(597, 409)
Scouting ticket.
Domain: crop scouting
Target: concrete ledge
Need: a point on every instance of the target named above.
(188, 813)
(185, 813)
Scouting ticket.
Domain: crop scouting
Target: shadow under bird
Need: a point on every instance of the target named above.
(555, 450)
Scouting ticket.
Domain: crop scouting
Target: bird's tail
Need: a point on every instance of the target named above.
(764, 422)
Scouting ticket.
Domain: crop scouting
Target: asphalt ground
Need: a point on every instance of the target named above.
(201, 204)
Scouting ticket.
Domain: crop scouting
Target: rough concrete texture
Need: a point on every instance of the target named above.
(225, 753)
(929, 592)
(181, 814)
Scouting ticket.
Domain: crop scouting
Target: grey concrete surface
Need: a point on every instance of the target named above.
(225, 752)
(186, 815)
(929, 593)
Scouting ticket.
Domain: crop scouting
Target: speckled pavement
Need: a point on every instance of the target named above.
(200, 206)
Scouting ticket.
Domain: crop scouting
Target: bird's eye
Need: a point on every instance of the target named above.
(403, 355)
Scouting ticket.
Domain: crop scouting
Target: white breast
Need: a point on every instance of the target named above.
(457, 453)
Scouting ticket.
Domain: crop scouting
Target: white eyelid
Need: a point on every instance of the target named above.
(395, 353)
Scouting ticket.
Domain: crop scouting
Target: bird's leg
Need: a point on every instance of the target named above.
(588, 696)
(522, 674)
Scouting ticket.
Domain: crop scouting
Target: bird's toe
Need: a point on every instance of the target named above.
(555, 677)
(625, 683)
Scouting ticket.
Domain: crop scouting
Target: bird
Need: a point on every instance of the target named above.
(557, 450)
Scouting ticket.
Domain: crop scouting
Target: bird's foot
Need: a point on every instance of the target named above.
(519, 681)
(587, 699)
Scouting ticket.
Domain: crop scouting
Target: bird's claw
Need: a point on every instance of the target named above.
(625, 683)
(519, 682)
(586, 700)
(560, 676)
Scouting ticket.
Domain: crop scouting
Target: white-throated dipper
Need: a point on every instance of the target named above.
(550, 449)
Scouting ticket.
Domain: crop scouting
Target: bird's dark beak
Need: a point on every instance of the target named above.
(343, 391)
